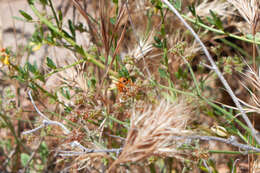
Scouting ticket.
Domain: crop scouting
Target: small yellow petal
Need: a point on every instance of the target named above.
(155, 10)
(37, 47)
(31, 44)
(5, 61)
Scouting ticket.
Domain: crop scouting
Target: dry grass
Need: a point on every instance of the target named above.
(153, 58)
(253, 80)
(249, 10)
(151, 132)
(223, 9)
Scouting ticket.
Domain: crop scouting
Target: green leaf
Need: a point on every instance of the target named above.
(200, 20)
(115, 1)
(67, 34)
(80, 50)
(92, 83)
(177, 4)
(216, 20)
(68, 109)
(44, 152)
(113, 20)
(50, 63)
(39, 76)
(44, 2)
(124, 72)
(19, 18)
(31, 67)
(31, 2)
(37, 36)
(25, 15)
(210, 20)
(72, 29)
(80, 27)
(60, 17)
(158, 43)
(192, 10)
(49, 40)
(24, 159)
(158, 4)
(65, 92)
(163, 73)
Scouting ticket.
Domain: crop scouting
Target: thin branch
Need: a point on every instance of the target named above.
(231, 141)
(206, 65)
(35, 107)
(34, 130)
(8, 158)
(215, 68)
(47, 122)
(114, 136)
(75, 153)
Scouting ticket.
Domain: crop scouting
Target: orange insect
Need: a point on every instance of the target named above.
(122, 84)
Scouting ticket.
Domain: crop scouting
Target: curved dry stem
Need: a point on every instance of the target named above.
(215, 68)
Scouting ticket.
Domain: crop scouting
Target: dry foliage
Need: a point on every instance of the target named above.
(152, 129)
(145, 44)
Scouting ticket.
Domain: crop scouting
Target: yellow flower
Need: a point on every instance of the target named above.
(35, 46)
(4, 57)
(5, 60)
(155, 10)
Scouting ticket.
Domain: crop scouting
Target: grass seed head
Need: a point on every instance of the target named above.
(152, 129)
(249, 10)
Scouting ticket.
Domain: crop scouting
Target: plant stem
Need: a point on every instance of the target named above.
(54, 13)
(64, 68)
(231, 152)
(87, 56)
(217, 71)
(231, 141)
(229, 43)
(219, 31)
(175, 90)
